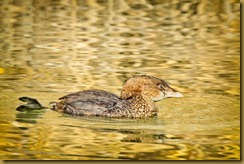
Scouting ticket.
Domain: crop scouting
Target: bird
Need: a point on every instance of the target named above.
(137, 100)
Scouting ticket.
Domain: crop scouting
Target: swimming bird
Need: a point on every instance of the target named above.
(137, 100)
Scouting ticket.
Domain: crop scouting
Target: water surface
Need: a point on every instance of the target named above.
(51, 48)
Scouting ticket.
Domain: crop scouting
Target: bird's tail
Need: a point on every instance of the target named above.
(31, 104)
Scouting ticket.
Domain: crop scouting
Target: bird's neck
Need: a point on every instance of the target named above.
(142, 106)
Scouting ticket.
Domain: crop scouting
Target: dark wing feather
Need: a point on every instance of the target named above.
(88, 102)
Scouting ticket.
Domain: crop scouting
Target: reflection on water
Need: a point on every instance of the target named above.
(50, 48)
(181, 131)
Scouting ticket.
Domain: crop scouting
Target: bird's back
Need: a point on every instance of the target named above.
(87, 102)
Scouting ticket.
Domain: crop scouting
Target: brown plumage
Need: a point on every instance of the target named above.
(137, 99)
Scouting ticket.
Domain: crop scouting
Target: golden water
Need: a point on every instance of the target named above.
(51, 48)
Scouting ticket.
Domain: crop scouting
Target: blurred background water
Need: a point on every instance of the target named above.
(53, 47)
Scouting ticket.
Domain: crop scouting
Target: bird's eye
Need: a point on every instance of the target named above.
(161, 87)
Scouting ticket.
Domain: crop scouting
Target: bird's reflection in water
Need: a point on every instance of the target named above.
(29, 116)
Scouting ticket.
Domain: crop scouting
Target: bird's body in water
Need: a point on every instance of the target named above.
(137, 100)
